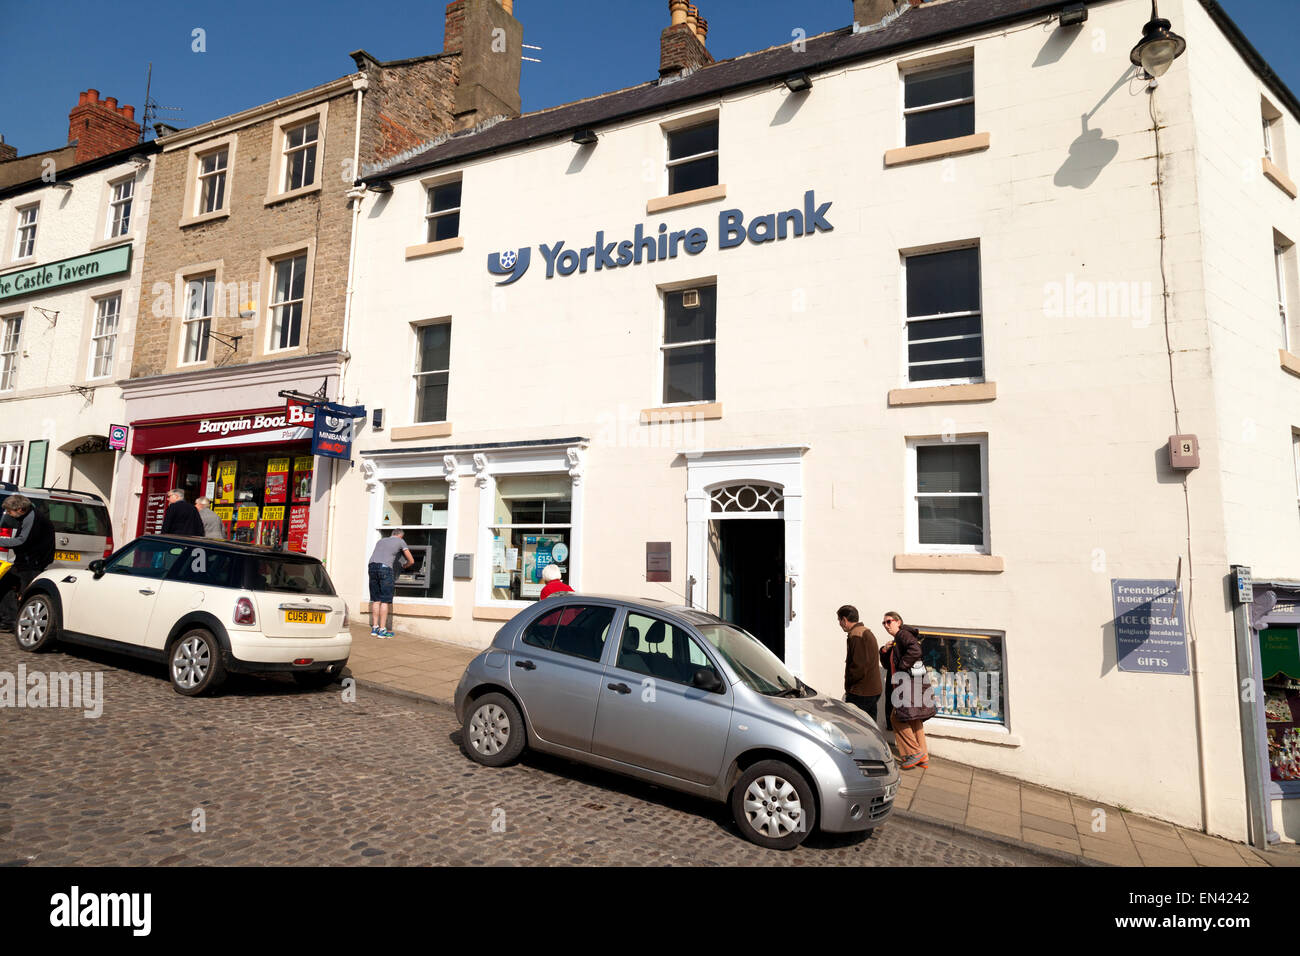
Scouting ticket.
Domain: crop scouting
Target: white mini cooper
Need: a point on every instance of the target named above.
(203, 607)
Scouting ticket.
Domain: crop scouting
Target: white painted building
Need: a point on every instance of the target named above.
(71, 238)
(938, 373)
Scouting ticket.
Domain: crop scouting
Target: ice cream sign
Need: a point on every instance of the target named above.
(658, 244)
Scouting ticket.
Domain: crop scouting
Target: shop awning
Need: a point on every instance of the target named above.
(1279, 652)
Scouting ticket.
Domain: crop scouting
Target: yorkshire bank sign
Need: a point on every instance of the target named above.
(733, 230)
(253, 427)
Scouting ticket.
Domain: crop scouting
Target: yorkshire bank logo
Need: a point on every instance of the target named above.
(650, 245)
(512, 263)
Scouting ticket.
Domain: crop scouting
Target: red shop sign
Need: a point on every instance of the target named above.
(260, 426)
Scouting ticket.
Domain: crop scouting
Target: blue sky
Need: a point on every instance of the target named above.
(257, 51)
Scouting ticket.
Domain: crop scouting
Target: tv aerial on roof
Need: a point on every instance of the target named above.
(531, 59)
(149, 116)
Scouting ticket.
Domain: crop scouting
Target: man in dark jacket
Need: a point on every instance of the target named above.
(862, 683)
(32, 543)
(181, 517)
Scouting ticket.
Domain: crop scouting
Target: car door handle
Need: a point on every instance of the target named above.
(621, 688)
(526, 665)
(145, 591)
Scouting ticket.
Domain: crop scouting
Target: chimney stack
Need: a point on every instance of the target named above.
(490, 43)
(870, 12)
(681, 45)
(100, 127)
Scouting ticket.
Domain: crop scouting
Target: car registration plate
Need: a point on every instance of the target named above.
(891, 790)
(67, 555)
(304, 617)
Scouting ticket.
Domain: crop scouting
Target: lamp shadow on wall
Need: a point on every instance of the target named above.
(790, 107)
(1090, 152)
(1109, 660)
(1060, 40)
(580, 159)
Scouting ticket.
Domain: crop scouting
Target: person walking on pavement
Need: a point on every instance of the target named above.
(551, 575)
(862, 681)
(32, 543)
(181, 517)
(912, 700)
(380, 568)
(212, 527)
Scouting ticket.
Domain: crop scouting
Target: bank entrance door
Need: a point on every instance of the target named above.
(751, 581)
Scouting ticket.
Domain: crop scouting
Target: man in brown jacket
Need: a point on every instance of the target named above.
(862, 681)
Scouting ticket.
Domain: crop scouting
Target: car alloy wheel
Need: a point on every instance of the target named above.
(489, 730)
(33, 624)
(195, 663)
(772, 807)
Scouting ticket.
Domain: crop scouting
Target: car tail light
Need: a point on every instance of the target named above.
(108, 546)
(301, 661)
(345, 613)
(244, 613)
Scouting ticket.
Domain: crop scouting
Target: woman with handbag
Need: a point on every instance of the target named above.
(909, 691)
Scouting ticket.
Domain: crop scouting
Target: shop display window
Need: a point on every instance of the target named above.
(262, 496)
(967, 672)
(419, 508)
(1280, 663)
(533, 527)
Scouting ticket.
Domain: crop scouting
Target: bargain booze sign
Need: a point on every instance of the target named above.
(262, 426)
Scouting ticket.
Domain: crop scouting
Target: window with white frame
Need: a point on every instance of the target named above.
(119, 208)
(288, 291)
(103, 342)
(1295, 454)
(690, 345)
(11, 331)
(432, 371)
(945, 339)
(1271, 121)
(212, 181)
(200, 294)
(11, 462)
(949, 508)
(442, 218)
(533, 527)
(25, 235)
(300, 144)
(939, 103)
(693, 157)
(1284, 267)
(419, 508)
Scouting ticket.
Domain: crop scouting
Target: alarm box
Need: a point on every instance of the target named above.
(1184, 452)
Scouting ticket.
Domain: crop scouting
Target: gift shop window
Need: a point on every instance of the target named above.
(968, 673)
(1279, 653)
(533, 527)
(419, 508)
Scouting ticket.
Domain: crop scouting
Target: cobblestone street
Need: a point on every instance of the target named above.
(268, 773)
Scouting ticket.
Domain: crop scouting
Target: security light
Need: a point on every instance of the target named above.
(798, 82)
(1159, 46)
(381, 186)
(585, 137)
(63, 185)
(1074, 14)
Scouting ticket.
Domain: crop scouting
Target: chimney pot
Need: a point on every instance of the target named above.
(92, 96)
(693, 19)
(677, 9)
(129, 112)
(508, 6)
(703, 28)
(110, 102)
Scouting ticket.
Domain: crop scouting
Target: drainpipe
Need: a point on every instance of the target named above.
(1257, 821)
(355, 194)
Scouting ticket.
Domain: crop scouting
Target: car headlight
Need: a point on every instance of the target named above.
(826, 730)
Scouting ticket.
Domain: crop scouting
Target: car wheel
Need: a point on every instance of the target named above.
(38, 624)
(319, 678)
(195, 663)
(493, 732)
(773, 805)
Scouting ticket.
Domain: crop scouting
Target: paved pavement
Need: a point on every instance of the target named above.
(271, 774)
(951, 795)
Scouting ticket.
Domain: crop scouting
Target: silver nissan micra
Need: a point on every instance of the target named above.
(681, 699)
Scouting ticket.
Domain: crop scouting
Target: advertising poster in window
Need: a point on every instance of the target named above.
(154, 507)
(298, 516)
(1280, 665)
(302, 478)
(271, 527)
(227, 515)
(246, 523)
(226, 482)
(277, 481)
(965, 671)
(537, 555)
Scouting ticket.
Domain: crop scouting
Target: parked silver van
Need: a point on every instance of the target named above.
(83, 530)
(681, 699)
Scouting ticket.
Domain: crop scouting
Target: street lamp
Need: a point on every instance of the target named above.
(1159, 46)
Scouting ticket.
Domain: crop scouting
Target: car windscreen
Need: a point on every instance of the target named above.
(758, 667)
(287, 574)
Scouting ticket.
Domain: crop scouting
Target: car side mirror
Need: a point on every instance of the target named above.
(706, 678)
(97, 568)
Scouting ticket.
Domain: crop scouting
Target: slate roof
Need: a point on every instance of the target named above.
(921, 25)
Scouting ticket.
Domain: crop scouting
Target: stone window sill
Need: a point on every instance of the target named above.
(1290, 361)
(24, 261)
(703, 411)
(441, 247)
(691, 197)
(937, 150)
(961, 730)
(939, 394)
(443, 611)
(986, 563)
(205, 217)
(496, 613)
(1273, 173)
(274, 198)
(436, 430)
(125, 240)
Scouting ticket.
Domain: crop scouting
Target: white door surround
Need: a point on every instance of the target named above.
(780, 469)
